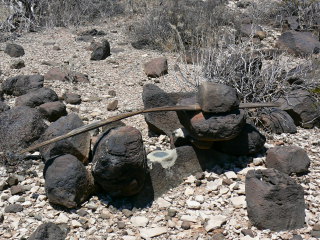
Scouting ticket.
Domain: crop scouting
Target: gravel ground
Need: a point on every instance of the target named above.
(183, 212)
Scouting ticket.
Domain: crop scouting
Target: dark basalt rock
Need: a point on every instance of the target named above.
(274, 200)
(217, 98)
(209, 126)
(37, 97)
(48, 231)
(288, 159)
(22, 84)
(67, 182)
(119, 162)
(19, 128)
(159, 122)
(249, 141)
(14, 50)
(277, 121)
(302, 107)
(101, 51)
(78, 146)
(53, 110)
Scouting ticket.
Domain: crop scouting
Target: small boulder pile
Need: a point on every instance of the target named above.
(68, 182)
(274, 200)
(220, 124)
(199, 139)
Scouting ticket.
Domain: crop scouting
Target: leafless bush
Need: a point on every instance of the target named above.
(306, 11)
(259, 75)
(178, 24)
(29, 14)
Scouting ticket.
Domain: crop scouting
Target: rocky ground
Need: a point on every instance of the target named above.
(183, 211)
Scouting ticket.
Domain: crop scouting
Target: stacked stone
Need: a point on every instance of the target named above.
(274, 200)
(220, 124)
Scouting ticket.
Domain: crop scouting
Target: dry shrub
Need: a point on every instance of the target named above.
(259, 75)
(175, 25)
(30, 14)
(307, 12)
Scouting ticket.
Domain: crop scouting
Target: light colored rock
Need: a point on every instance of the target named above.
(190, 179)
(239, 202)
(234, 186)
(214, 185)
(139, 221)
(245, 170)
(249, 238)
(14, 222)
(34, 189)
(26, 204)
(231, 175)
(199, 198)
(91, 230)
(62, 218)
(215, 222)
(75, 224)
(189, 218)
(258, 161)
(193, 204)
(129, 238)
(242, 189)
(163, 203)
(147, 233)
(223, 190)
(189, 191)
(171, 224)
(13, 199)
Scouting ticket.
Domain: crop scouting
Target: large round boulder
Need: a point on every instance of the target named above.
(19, 128)
(67, 182)
(277, 121)
(37, 97)
(159, 122)
(119, 162)
(288, 159)
(302, 107)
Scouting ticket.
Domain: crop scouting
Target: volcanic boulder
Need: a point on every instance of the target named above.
(119, 161)
(217, 98)
(14, 50)
(159, 122)
(274, 200)
(302, 107)
(67, 182)
(78, 145)
(22, 84)
(37, 97)
(19, 128)
(249, 141)
(288, 159)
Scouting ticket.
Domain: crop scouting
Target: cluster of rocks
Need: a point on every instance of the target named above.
(119, 165)
(275, 201)
(220, 123)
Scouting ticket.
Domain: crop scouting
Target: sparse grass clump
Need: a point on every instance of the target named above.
(29, 15)
(176, 25)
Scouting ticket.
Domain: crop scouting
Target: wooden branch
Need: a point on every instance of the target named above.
(101, 123)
